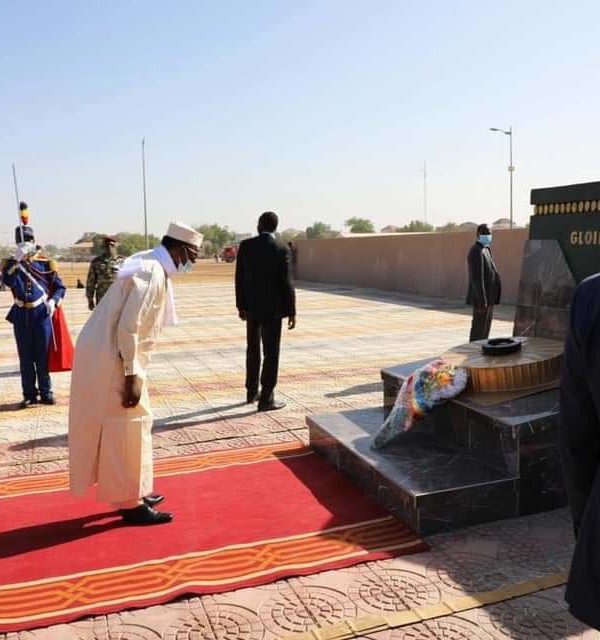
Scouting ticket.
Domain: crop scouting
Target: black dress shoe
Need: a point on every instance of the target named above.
(49, 399)
(153, 500)
(28, 402)
(144, 514)
(271, 406)
(251, 398)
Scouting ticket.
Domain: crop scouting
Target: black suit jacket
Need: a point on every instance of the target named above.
(579, 442)
(485, 287)
(264, 286)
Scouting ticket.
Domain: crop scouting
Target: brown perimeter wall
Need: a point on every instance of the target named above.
(432, 264)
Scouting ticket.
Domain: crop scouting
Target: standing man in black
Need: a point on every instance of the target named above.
(264, 292)
(484, 284)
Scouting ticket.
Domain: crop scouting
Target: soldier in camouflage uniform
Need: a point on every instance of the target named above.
(103, 272)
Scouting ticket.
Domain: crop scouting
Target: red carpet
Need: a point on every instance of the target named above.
(242, 517)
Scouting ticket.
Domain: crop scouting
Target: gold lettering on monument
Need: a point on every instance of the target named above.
(585, 238)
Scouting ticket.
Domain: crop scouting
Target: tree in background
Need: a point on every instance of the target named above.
(449, 226)
(360, 225)
(50, 250)
(88, 236)
(130, 243)
(289, 235)
(215, 238)
(417, 226)
(6, 252)
(320, 230)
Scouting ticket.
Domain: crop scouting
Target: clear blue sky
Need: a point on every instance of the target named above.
(317, 110)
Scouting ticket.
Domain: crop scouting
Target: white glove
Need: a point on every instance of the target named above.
(50, 307)
(24, 250)
(20, 254)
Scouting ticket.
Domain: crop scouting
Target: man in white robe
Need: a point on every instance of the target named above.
(110, 418)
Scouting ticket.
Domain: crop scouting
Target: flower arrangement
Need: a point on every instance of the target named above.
(430, 385)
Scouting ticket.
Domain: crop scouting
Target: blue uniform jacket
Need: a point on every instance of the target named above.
(26, 294)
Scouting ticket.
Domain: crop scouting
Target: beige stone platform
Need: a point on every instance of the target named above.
(329, 363)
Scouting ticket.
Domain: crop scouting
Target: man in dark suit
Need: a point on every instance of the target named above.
(264, 292)
(484, 284)
(579, 442)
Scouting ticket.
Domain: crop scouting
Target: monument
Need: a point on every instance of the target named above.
(490, 453)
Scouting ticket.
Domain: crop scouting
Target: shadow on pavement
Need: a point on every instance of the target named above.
(501, 312)
(356, 390)
(163, 424)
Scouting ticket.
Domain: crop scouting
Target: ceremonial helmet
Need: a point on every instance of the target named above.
(24, 233)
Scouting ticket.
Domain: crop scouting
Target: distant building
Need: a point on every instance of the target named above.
(501, 223)
(82, 251)
(468, 226)
(391, 229)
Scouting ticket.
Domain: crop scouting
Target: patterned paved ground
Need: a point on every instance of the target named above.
(331, 362)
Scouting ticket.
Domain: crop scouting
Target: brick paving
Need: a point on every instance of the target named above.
(330, 362)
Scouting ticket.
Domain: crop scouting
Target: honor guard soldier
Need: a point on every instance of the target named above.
(37, 289)
(103, 272)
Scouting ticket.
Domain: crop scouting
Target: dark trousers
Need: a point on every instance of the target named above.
(481, 323)
(33, 344)
(267, 332)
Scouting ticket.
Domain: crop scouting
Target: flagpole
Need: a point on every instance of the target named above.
(14, 170)
(144, 190)
(425, 191)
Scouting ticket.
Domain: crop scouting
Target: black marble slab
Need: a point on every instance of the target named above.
(578, 236)
(429, 483)
(566, 193)
(546, 280)
(541, 322)
(546, 289)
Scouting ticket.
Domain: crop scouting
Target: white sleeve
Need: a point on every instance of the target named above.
(139, 299)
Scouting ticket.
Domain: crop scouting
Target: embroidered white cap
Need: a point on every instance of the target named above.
(179, 231)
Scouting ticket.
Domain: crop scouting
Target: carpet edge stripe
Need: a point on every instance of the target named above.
(198, 554)
(58, 480)
(184, 585)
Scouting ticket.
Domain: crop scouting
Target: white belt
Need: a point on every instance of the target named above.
(30, 305)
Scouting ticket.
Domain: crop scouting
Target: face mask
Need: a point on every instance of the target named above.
(486, 239)
(185, 267)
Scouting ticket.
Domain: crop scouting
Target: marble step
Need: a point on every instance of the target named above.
(429, 483)
(519, 435)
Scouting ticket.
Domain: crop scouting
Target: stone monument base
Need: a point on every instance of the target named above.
(464, 464)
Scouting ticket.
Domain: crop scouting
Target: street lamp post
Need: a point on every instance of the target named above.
(511, 167)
